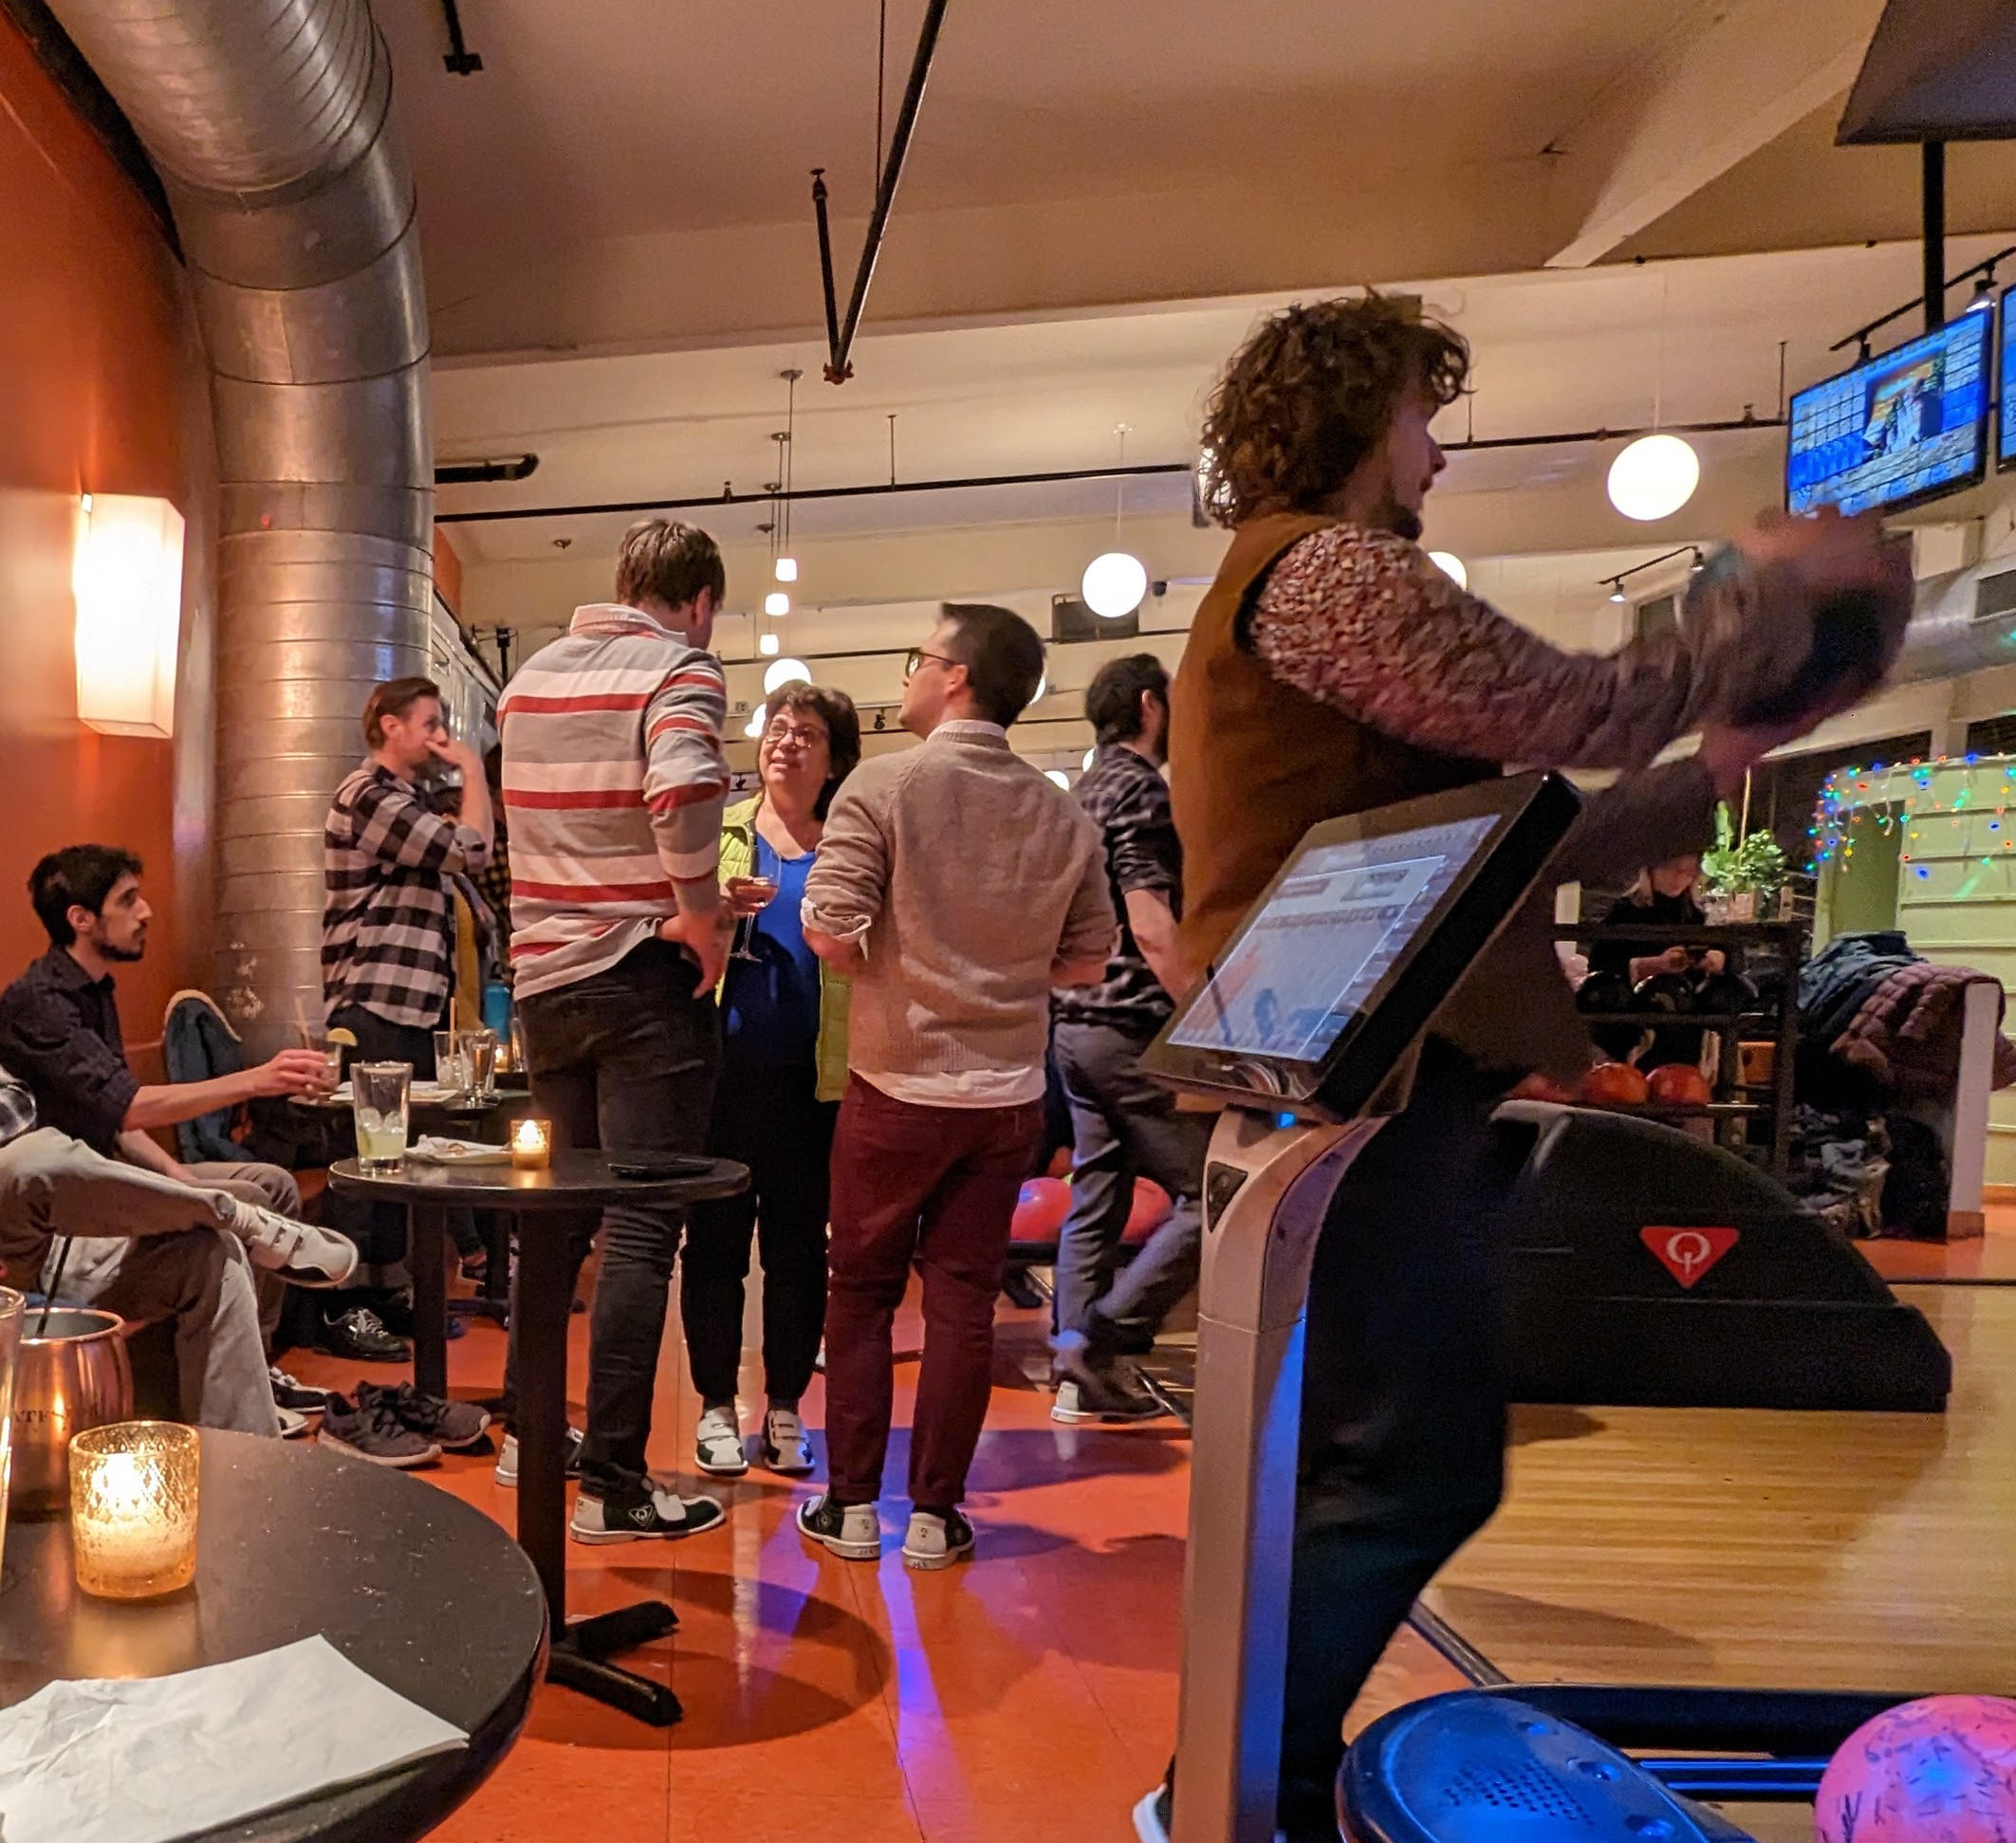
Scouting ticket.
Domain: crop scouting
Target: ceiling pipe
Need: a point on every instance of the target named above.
(270, 122)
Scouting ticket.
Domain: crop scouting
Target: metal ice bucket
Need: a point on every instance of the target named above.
(72, 1374)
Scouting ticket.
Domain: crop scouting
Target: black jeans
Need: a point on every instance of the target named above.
(378, 1228)
(772, 1121)
(1402, 1455)
(625, 1060)
(1124, 1127)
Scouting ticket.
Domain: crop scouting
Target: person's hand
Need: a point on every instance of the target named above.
(1833, 555)
(292, 1071)
(1676, 959)
(743, 896)
(1713, 960)
(703, 937)
(458, 755)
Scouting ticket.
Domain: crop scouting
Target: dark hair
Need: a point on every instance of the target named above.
(1002, 653)
(394, 698)
(844, 734)
(1312, 393)
(78, 875)
(673, 561)
(1113, 700)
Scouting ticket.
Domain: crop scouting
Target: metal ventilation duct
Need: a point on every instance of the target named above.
(1962, 621)
(271, 123)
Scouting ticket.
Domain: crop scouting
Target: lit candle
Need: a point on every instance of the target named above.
(532, 1144)
(133, 1509)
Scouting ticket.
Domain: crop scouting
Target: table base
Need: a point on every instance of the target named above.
(580, 1661)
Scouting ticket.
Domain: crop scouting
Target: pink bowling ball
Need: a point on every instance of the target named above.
(1938, 1770)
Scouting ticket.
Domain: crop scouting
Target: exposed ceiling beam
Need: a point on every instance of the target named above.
(1749, 73)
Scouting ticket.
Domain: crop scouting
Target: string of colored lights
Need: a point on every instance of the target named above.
(1886, 793)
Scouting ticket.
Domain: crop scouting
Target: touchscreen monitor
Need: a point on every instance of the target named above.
(1896, 430)
(1338, 968)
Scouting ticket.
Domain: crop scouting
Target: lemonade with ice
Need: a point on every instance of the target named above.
(378, 1094)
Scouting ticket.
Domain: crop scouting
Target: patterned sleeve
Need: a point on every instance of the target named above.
(686, 773)
(1364, 621)
(1140, 837)
(848, 883)
(1091, 929)
(389, 823)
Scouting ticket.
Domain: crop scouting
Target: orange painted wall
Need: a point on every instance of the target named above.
(103, 388)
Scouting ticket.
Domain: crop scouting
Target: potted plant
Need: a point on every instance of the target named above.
(1743, 875)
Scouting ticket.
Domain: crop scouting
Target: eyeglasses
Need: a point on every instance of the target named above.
(915, 664)
(806, 735)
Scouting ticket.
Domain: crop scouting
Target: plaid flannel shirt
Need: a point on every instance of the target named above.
(388, 939)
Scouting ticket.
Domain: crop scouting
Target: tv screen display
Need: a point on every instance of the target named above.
(2006, 414)
(1896, 430)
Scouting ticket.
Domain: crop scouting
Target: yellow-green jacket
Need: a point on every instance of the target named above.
(738, 859)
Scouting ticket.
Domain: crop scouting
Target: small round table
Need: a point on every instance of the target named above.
(410, 1584)
(574, 1182)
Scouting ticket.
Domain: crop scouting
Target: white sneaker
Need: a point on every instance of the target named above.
(299, 1252)
(853, 1532)
(717, 1444)
(293, 1423)
(936, 1542)
(785, 1450)
(507, 1470)
(661, 1514)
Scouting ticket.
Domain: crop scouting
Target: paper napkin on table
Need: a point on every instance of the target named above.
(434, 1150)
(113, 1761)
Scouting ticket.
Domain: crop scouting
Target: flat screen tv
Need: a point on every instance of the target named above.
(1896, 430)
(2006, 411)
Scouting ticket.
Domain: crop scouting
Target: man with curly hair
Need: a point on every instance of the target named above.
(1333, 669)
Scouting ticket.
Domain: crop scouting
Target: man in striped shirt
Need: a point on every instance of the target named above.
(613, 781)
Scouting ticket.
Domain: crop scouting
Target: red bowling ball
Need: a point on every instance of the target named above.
(1041, 1207)
(1149, 1211)
(1942, 1770)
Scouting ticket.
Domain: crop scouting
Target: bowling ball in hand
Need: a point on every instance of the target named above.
(1856, 636)
(1613, 1085)
(1678, 1084)
(1942, 1770)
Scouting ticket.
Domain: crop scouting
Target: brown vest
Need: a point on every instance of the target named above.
(1254, 763)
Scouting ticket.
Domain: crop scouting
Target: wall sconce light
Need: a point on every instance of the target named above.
(127, 580)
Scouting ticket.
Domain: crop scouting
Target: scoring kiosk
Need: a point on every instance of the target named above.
(1305, 1028)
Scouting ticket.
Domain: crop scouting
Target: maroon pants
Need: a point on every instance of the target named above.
(936, 1186)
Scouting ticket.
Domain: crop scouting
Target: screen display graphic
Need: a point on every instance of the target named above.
(1310, 961)
(1896, 430)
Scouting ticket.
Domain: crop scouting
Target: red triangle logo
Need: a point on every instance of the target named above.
(1689, 1253)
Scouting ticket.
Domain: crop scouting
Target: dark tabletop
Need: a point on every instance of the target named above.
(572, 1181)
(410, 1584)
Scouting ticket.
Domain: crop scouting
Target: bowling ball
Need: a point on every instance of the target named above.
(1678, 1084)
(1041, 1207)
(1613, 1085)
(1856, 634)
(1671, 992)
(1149, 1211)
(1942, 1770)
(1603, 991)
(1541, 1087)
(1725, 991)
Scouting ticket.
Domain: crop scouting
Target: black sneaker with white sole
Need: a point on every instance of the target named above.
(851, 1531)
(659, 1515)
(1091, 1390)
(290, 1393)
(360, 1335)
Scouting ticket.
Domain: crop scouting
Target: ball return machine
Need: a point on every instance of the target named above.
(1306, 1030)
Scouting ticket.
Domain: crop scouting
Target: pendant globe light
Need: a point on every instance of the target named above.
(780, 672)
(1653, 477)
(1115, 580)
(1451, 566)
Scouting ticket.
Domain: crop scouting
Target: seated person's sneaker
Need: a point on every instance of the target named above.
(300, 1253)
(290, 1393)
(371, 1430)
(1088, 1390)
(655, 1513)
(1154, 1814)
(506, 1472)
(785, 1450)
(853, 1531)
(293, 1423)
(456, 1424)
(359, 1334)
(936, 1540)
(717, 1444)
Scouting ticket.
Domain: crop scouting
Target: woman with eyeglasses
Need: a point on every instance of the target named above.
(784, 1068)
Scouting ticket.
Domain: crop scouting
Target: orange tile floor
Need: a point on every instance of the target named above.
(1030, 1694)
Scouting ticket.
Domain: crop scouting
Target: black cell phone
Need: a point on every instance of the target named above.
(659, 1170)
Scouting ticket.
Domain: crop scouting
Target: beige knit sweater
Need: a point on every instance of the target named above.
(965, 874)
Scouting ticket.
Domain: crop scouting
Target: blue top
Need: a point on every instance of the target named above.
(769, 1003)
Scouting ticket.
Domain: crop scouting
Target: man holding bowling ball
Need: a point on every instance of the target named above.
(1332, 669)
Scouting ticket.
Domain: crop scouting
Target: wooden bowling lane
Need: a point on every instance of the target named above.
(1763, 1549)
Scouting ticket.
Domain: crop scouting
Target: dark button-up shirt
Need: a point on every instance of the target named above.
(58, 1033)
(1129, 801)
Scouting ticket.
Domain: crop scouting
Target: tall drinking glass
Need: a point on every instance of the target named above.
(451, 1061)
(13, 1312)
(379, 1093)
(480, 1048)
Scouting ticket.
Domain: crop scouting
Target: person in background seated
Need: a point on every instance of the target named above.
(90, 1230)
(1124, 1125)
(784, 1068)
(1663, 897)
(59, 1034)
(388, 944)
(957, 885)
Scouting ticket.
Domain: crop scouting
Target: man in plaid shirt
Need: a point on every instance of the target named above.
(388, 939)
